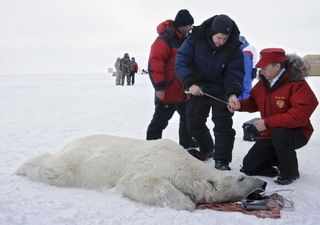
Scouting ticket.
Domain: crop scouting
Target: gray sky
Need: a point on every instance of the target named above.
(87, 35)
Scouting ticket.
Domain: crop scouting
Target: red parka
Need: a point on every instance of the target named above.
(289, 103)
(134, 67)
(161, 63)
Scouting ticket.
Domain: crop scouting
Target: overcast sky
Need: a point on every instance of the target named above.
(87, 35)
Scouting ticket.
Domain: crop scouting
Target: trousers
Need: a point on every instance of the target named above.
(279, 151)
(198, 109)
(162, 114)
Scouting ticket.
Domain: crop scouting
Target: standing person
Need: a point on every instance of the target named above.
(118, 71)
(125, 68)
(133, 69)
(250, 60)
(210, 61)
(285, 102)
(169, 92)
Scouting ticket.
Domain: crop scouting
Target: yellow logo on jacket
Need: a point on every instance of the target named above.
(280, 102)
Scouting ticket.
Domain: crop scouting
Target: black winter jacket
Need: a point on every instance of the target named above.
(216, 70)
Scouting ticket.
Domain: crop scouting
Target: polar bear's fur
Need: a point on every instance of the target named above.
(156, 172)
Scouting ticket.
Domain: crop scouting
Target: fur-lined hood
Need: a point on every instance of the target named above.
(296, 69)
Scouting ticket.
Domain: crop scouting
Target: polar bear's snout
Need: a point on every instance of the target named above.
(231, 187)
(257, 183)
(260, 184)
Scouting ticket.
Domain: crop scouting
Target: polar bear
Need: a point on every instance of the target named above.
(159, 173)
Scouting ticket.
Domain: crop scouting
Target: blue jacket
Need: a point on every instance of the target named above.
(248, 54)
(217, 71)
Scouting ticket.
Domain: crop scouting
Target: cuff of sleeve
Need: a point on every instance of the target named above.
(160, 86)
(188, 82)
(235, 89)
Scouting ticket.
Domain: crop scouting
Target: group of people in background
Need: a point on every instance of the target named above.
(126, 69)
(210, 70)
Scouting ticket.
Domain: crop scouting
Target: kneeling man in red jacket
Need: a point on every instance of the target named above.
(285, 102)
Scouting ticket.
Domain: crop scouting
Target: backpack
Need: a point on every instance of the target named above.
(250, 132)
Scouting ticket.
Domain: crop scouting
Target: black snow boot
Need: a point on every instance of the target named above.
(222, 165)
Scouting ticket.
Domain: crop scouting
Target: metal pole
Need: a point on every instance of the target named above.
(218, 99)
(210, 96)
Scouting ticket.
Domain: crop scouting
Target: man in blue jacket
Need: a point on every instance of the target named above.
(210, 62)
(250, 60)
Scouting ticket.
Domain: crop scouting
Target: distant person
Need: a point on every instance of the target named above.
(250, 60)
(118, 71)
(133, 69)
(125, 69)
(210, 62)
(169, 91)
(285, 102)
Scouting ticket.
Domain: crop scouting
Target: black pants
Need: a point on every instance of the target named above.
(132, 75)
(162, 114)
(198, 109)
(277, 151)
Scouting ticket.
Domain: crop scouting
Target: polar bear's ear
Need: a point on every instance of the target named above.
(212, 185)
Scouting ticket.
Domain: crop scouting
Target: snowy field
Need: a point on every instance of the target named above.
(41, 113)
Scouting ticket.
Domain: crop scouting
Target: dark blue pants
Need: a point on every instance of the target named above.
(132, 75)
(198, 109)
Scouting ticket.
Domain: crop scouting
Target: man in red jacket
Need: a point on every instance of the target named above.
(285, 102)
(133, 69)
(169, 90)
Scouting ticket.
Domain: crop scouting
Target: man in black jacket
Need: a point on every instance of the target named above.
(210, 61)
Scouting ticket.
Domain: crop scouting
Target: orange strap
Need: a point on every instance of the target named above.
(272, 212)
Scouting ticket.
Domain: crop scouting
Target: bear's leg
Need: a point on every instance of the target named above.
(154, 191)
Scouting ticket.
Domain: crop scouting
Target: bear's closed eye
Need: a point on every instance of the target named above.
(212, 183)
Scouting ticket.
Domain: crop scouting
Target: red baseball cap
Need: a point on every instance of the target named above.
(271, 55)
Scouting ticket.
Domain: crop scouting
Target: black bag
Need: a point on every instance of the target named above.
(250, 132)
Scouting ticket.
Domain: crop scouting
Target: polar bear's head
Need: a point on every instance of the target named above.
(226, 186)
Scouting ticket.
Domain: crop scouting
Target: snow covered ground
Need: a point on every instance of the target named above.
(43, 112)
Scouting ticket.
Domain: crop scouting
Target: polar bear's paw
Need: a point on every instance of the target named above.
(155, 191)
(178, 200)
